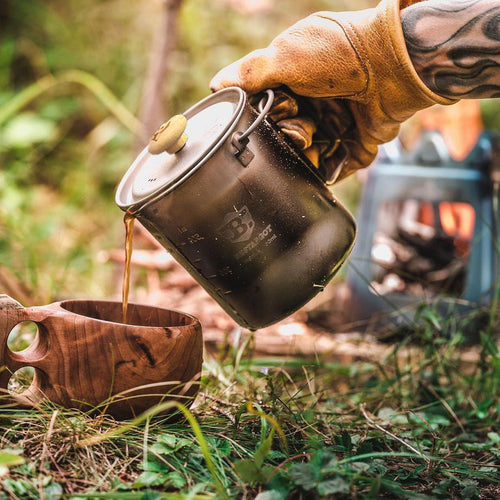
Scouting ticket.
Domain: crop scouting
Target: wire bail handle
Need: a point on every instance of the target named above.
(240, 139)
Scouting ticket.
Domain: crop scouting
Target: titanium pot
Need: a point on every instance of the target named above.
(239, 207)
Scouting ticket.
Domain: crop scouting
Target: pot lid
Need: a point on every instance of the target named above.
(156, 171)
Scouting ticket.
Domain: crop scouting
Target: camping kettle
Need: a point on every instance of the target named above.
(240, 207)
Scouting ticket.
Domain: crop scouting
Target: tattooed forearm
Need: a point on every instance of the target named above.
(455, 46)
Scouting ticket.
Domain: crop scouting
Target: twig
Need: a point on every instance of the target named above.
(372, 423)
(221, 401)
(61, 474)
(48, 435)
(448, 408)
(309, 385)
(164, 44)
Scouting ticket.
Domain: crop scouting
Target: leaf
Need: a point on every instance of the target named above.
(148, 479)
(276, 455)
(304, 475)
(375, 487)
(169, 439)
(488, 344)
(366, 446)
(266, 471)
(324, 459)
(495, 437)
(10, 459)
(223, 446)
(385, 413)
(53, 491)
(488, 468)
(271, 495)
(443, 488)
(432, 318)
(476, 446)
(174, 441)
(280, 482)
(168, 444)
(343, 442)
(247, 470)
(377, 468)
(435, 420)
(27, 129)
(391, 416)
(361, 466)
(175, 480)
(157, 466)
(161, 449)
(20, 487)
(471, 490)
(251, 470)
(332, 486)
(263, 450)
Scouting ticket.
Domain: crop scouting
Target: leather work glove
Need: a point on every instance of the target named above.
(351, 79)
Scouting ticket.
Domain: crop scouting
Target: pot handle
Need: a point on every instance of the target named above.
(240, 139)
(263, 108)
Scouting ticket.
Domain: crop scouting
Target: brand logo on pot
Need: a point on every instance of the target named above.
(237, 226)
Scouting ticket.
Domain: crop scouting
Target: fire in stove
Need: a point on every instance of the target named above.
(427, 230)
(421, 248)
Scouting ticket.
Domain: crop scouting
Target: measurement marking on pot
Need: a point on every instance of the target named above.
(194, 238)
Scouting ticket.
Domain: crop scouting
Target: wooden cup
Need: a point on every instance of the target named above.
(85, 358)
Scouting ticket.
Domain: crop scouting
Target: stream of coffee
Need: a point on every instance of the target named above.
(128, 220)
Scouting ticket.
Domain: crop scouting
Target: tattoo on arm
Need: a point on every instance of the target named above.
(455, 46)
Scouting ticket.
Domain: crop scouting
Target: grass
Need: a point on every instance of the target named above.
(421, 423)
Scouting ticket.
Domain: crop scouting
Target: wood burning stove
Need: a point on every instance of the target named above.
(427, 232)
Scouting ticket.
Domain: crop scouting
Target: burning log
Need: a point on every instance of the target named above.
(421, 248)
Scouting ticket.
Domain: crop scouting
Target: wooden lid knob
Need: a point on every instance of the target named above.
(170, 137)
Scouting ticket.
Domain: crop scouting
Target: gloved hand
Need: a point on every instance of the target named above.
(356, 76)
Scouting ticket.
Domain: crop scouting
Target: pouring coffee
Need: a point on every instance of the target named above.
(240, 207)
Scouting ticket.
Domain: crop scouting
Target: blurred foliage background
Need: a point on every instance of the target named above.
(66, 139)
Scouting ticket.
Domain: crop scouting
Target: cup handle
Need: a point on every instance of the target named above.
(8, 303)
(11, 314)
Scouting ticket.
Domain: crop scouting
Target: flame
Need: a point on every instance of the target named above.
(426, 215)
(457, 219)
